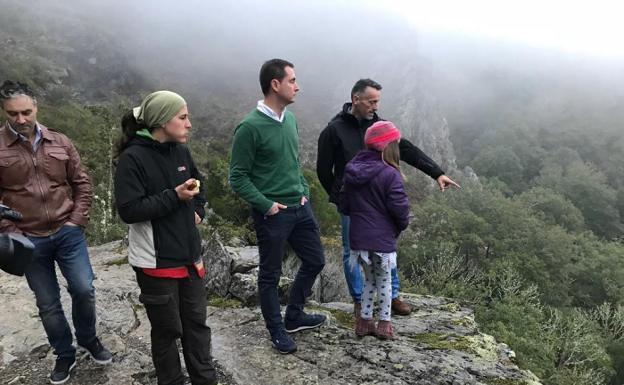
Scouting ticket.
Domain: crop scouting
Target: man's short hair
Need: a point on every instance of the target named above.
(360, 86)
(273, 69)
(10, 89)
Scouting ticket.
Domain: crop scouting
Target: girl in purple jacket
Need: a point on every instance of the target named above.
(374, 198)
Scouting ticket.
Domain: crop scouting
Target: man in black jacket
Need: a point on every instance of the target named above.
(338, 143)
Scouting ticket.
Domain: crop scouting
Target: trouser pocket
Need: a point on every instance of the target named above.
(163, 313)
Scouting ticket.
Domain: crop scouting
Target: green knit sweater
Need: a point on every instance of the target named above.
(264, 167)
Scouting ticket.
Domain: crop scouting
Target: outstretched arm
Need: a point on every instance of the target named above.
(415, 157)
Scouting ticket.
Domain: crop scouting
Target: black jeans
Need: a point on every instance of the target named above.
(176, 309)
(297, 226)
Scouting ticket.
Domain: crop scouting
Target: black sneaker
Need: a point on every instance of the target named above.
(98, 352)
(62, 368)
(304, 321)
(283, 343)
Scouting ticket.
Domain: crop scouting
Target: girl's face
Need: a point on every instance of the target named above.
(177, 129)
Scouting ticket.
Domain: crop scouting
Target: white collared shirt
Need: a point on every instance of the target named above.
(262, 107)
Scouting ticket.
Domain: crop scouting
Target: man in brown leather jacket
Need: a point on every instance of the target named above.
(41, 177)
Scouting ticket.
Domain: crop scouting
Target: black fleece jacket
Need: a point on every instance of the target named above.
(343, 138)
(145, 180)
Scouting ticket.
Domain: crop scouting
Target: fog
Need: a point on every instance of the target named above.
(210, 51)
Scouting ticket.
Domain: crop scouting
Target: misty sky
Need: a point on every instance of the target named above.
(454, 61)
(454, 50)
(577, 27)
(584, 27)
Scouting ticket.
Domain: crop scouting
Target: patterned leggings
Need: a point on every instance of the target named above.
(377, 279)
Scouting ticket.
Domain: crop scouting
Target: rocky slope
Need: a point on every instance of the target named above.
(438, 344)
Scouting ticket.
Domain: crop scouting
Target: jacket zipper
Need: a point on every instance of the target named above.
(34, 159)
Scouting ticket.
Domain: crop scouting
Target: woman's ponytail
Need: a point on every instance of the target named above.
(129, 128)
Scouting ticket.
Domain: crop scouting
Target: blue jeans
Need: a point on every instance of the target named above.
(68, 248)
(354, 276)
(297, 226)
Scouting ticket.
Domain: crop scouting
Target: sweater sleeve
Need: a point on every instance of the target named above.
(415, 157)
(241, 163)
(397, 202)
(304, 183)
(325, 160)
(133, 203)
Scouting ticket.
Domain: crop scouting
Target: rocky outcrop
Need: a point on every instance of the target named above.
(233, 273)
(122, 325)
(438, 344)
(414, 108)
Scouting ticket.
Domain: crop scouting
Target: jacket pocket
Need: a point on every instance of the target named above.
(56, 164)
(13, 171)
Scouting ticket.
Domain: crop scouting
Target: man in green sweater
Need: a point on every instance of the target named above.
(265, 171)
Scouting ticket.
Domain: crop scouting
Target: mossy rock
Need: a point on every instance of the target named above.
(343, 318)
(121, 247)
(507, 381)
(118, 262)
(481, 345)
(444, 341)
(464, 321)
(224, 303)
(452, 307)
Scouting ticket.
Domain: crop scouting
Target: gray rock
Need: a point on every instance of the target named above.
(333, 355)
(233, 272)
(470, 175)
(330, 285)
(7, 358)
(244, 287)
(122, 326)
(439, 343)
(244, 259)
(218, 262)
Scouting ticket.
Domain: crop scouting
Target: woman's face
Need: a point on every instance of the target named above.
(177, 129)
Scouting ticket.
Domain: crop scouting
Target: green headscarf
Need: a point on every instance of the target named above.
(158, 108)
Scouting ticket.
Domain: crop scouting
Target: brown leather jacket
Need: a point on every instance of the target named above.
(49, 187)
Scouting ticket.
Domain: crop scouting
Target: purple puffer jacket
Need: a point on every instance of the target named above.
(374, 198)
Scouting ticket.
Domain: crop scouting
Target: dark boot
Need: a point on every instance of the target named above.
(400, 308)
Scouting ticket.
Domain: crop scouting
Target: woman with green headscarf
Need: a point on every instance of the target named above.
(159, 194)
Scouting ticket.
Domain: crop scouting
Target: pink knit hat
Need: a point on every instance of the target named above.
(380, 134)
